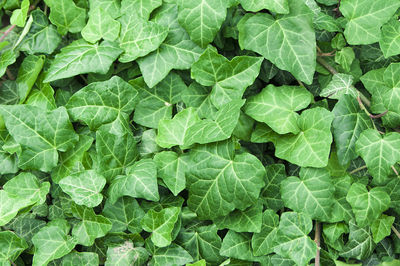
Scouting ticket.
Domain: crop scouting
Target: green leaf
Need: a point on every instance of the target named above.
(270, 194)
(349, 122)
(333, 234)
(379, 153)
(39, 141)
(7, 58)
(277, 106)
(214, 169)
(312, 193)
(91, 227)
(277, 6)
(292, 239)
(203, 19)
(365, 19)
(176, 52)
(139, 37)
(140, 181)
(172, 169)
(202, 242)
(237, 245)
(390, 41)
(345, 58)
(52, 242)
(126, 254)
(43, 98)
(160, 225)
(171, 255)
(263, 243)
(66, 16)
(101, 102)
(381, 227)
(80, 258)
(113, 7)
(311, 147)
(81, 57)
(287, 41)
(367, 205)
(84, 187)
(11, 246)
(157, 102)
(124, 214)
(229, 78)
(249, 220)
(142, 8)
(27, 75)
(100, 25)
(340, 84)
(19, 16)
(360, 244)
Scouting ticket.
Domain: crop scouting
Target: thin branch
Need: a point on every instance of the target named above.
(395, 231)
(379, 115)
(7, 32)
(358, 169)
(395, 171)
(317, 240)
(300, 83)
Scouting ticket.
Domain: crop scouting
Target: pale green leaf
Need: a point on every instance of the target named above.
(66, 16)
(238, 246)
(381, 227)
(11, 246)
(311, 147)
(100, 25)
(365, 18)
(229, 78)
(81, 258)
(91, 227)
(160, 225)
(171, 255)
(42, 98)
(340, 84)
(379, 152)
(263, 243)
(277, 106)
(390, 38)
(113, 7)
(367, 205)
(345, 58)
(140, 181)
(27, 75)
(141, 8)
(287, 41)
(360, 244)
(84, 187)
(19, 16)
(81, 57)
(6, 58)
(126, 254)
(277, 6)
(214, 170)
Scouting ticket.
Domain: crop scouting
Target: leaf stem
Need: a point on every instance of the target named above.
(358, 169)
(333, 71)
(395, 171)
(396, 232)
(7, 32)
(317, 240)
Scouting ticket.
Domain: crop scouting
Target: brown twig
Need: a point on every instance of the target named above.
(317, 240)
(395, 231)
(379, 115)
(394, 170)
(7, 32)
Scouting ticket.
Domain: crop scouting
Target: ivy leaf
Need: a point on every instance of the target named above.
(203, 19)
(277, 106)
(66, 16)
(82, 258)
(19, 15)
(287, 41)
(81, 57)
(381, 227)
(126, 254)
(172, 169)
(379, 153)
(139, 37)
(365, 19)
(11, 246)
(340, 84)
(349, 122)
(42, 37)
(91, 227)
(40, 141)
(101, 102)
(7, 58)
(360, 244)
(27, 75)
(263, 243)
(311, 147)
(277, 6)
(171, 255)
(215, 164)
(160, 225)
(345, 58)
(100, 25)
(113, 7)
(84, 187)
(142, 8)
(237, 245)
(124, 214)
(312, 193)
(367, 205)
(52, 242)
(270, 194)
(389, 41)
(292, 239)
(176, 52)
(228, 78)
(140, 181)
(157, 102)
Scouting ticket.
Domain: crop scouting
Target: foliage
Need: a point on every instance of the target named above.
(200, 132)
